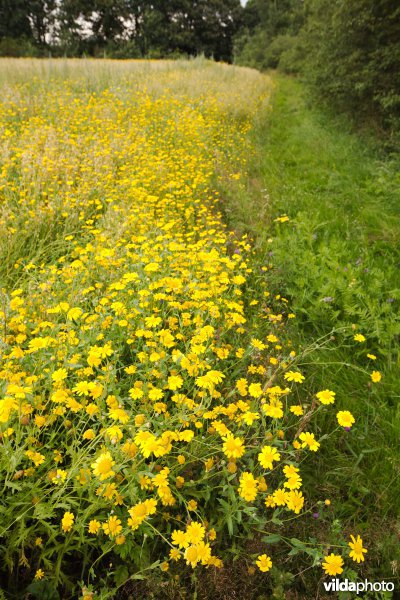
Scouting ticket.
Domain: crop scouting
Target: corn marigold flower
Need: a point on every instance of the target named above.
(333, 564)
(248, 487)
(39, 574)
(174, 554)
(180, 538)
(326, 397)
(67, 521)
(255, 390)
(294, 376)
(376, 376)
(264, 563)
(175, 382)
(357, 550)
(280, 497)
(295, 501)
(210, 379)
(273, 409)
(112, 527)
(309, 440)
(268, 456)
(94, 526)
(102, 466)
(359, 337)
(191, 556)
(345, 418)
(140, 512)
(59, 375)
(195, 532)
(233, 447)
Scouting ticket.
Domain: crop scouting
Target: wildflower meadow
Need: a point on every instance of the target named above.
(154, 424)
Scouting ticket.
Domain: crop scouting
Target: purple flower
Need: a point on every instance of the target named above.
(315, 515)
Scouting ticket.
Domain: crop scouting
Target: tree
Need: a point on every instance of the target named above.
(353, 57)
(14, 20)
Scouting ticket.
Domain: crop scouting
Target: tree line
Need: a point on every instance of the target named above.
(120, 28)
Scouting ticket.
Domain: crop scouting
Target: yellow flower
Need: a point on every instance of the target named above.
(264, 563)
(112, 527)
(295, 501)
(191, 556)
(175, 382)
(294, 376)
(233, 447)
(248, 487)
(376, 376)
(345, 418)
(357, 550)
(94, 526)
(309, 440)
(102, 466)
(296, 410)
(333, 564)
(241, 386)
(203, 552)
(326, 397)
(174, 554)
(39, 574)
(67, 521)
(210, 379)
(59, 375)
(280, 497)
(268, 456)
(195, 532)
(255, 390)
(359, 338)
(180, 538)
(120, 539)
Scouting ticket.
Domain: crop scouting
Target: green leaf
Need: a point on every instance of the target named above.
(121, 575)
(43, 590)
(272, 538)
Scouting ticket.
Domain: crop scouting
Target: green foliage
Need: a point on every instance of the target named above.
(353, 55)
(347, 50)
(269, 31)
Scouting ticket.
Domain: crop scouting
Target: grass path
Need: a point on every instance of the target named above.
(337, 262)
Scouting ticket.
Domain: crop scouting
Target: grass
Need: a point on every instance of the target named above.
(337, 262)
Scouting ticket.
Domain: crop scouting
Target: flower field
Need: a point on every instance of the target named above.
(152, 420)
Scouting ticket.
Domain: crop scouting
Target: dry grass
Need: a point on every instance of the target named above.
(238, 88)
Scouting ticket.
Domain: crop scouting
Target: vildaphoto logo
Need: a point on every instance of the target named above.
(335, 585)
